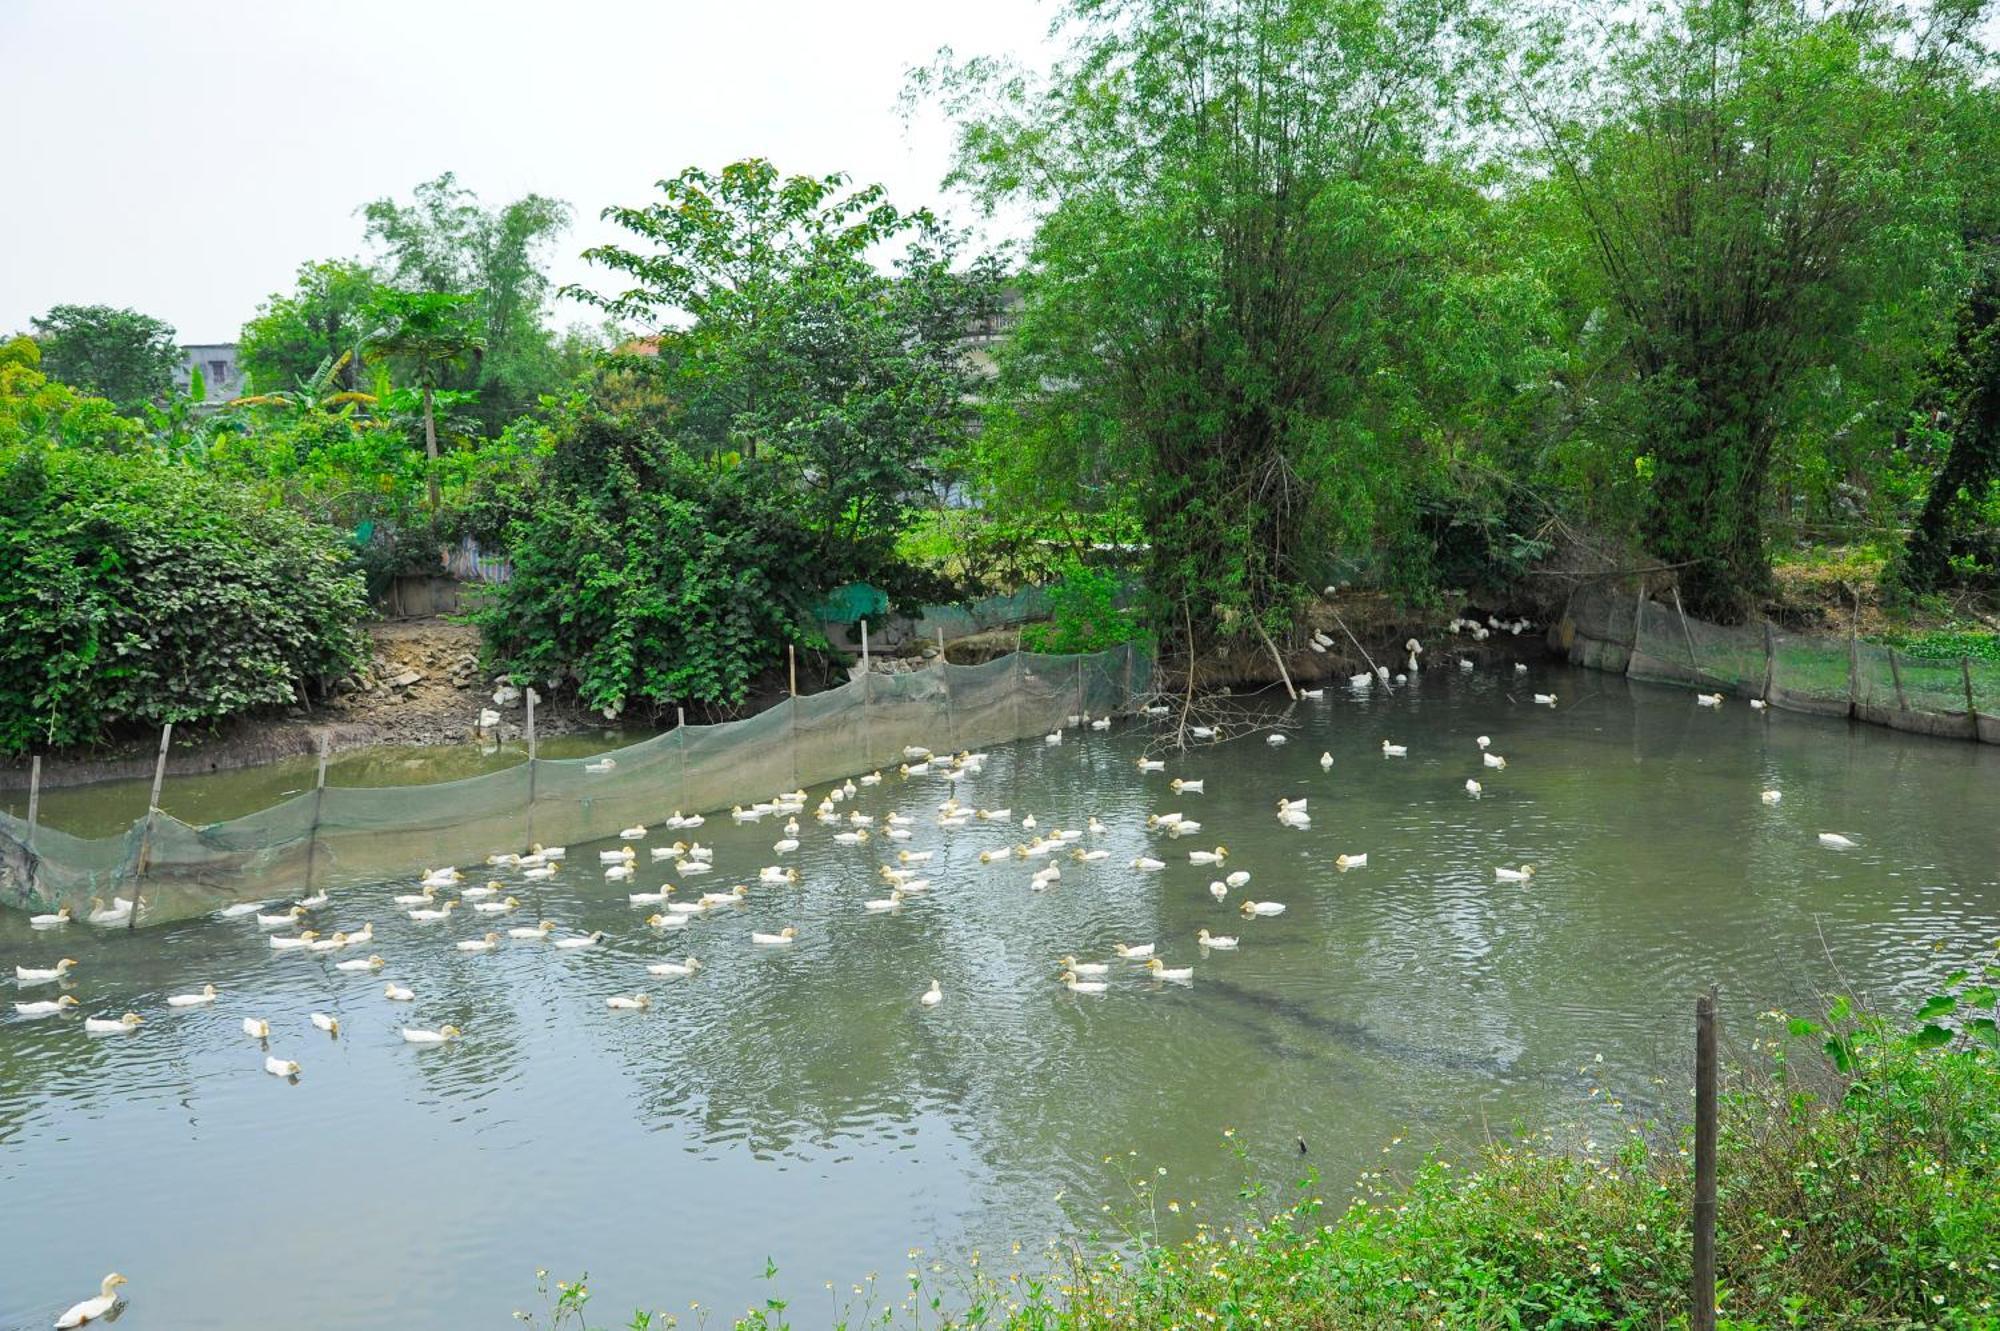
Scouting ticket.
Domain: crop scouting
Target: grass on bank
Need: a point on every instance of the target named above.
(1859, 1187)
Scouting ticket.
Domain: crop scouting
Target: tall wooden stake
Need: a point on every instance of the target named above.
(1770, 659)
(1694, 661)
(681, 733)
(152, 813)
(319, 798)
(792, 713)
(1702, 1315)
(35, 808)
(529, 698)
(1964, 672)
(867, 722)
(1896, 674)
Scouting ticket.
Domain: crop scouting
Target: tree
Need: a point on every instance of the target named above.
(445, 240)
(1263, 285)
(123, 356)
(432, 333)
(797, 352)
(34, 409)
(1765, 191)
(323, 319)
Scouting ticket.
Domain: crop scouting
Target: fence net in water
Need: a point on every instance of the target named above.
(339, 834)
(1957, 699)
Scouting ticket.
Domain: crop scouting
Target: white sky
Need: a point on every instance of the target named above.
(184, 159)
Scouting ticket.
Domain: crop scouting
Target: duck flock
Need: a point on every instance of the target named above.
(483, 896)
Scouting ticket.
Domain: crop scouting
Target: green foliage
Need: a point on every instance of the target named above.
(123, 356)
(36, 409)
(1947, 644)
(134, 591)
(1769, 197)
(430, 334)
(322, 322)
(645, 576)
(446, 241)
(798, 352)
(1265, 286)
(1084, 614)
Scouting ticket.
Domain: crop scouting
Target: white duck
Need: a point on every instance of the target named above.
(544, 872)
(1216, 856)
(1080, 986)
(1218, 889)
(674, 970)
(1250, 908)
(1326, 762)
(281, 1067)
(486, 893)
(433, 916)
(1147, 864)
(1241, 878)
(591, 939)
(397, 993)
(782, 938)
(1182, 787)
(1395, 750)
(1152, 764)
(933, 995)
(124, 1025)
(408, 899)
(1162, 971)
(296, 943)
(257, 1028)
(636, 1003)
(315, 901)
(46, 1007)
(1493, 760)
(417, 1035)
(41, 975)
(637, 832)
(890, 902)
(532, 933)
(1351, 861)
(91, 1309)
(1545, 700)
(506, 907)
(289, 915)
(54, 920)
(1836, 841)
(1708, 699)
(1207, 939)
(1473, 788)
(1083, 967)
(1520, 875)
(486, 944)
(325, 1022)
(359, 964)
(202, 999)
(1134, 952)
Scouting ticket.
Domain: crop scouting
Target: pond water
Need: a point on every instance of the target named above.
(797, 1103)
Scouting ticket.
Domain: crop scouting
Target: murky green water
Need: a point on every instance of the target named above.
(798, 1103)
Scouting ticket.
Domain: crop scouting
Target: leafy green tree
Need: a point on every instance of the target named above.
(796, 350)
(432, 333)
(1264, 282)
(445, 240)
(324, 319)
(1967, 404)
(1766, 195)
(35, 409)
(135, 590)
(645, 575)
(121, 355)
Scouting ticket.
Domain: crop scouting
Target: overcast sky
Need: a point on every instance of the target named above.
(185, 159)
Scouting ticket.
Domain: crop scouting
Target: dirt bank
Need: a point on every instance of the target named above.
(423, 686)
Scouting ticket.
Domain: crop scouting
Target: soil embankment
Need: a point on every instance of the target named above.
(423, 686)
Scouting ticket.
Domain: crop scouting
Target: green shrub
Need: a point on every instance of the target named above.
(1084, 614)
(645, 576)
(135, 591)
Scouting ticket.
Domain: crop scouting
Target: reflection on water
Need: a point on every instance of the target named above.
(108, 808)
(797, 1102)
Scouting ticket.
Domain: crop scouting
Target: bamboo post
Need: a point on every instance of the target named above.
(681, 732)
(1896, 674)
(1964, 673)
(35, 810)
(950, 714)
(1770, 659)
(867, 721)
(1854, 658)
(1694, 661)
(152, 813)
(1128, 674)
(1017, 686)
(1702, 1315)
(319, 798)
(792, 709)
(529, 698)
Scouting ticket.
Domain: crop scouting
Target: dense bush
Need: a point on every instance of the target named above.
(136, 591)
(645, 576)
(1083, 613)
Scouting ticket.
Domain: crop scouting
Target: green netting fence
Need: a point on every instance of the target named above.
(1957, 699)
(336, 834)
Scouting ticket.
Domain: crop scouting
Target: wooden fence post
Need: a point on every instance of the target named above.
(680, 733)
(792, 709)
(1770, 659)
(1694, 661)
(1896, 674)
(35, 814)
(1702, 1314)
(152, 813)
(1965, 672)
(529, 698)
(867, 721)
(319, 798)
(1854, 658)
